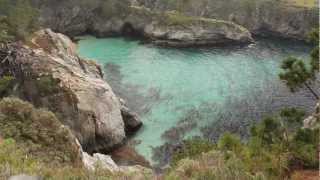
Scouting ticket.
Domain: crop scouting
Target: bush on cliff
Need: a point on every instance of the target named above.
(38, 131)
(192, 149)
(18, 19)
(277, 146)
(6, 83)
(15, 159)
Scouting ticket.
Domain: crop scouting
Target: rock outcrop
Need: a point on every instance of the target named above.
(101, 160)
(105, 162)
(50, 74)
(174, 29)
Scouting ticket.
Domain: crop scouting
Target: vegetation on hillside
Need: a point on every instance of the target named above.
(17, 20)
(38, 132)
(6, 83)
(277, 146)
(14, 160)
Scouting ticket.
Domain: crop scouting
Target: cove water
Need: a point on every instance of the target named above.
(181, 93)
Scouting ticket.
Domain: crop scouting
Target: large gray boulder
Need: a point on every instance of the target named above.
(50, 74)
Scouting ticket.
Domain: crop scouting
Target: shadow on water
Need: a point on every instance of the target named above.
(137, 97)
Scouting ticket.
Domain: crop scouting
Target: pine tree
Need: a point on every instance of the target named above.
(297, 74)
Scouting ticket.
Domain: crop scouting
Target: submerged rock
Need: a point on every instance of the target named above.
(50, 74)
(127, 156)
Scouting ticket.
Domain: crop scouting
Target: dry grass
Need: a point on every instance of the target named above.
(303, 3)
(306, 175)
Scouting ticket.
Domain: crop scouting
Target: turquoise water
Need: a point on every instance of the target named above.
(181, 93)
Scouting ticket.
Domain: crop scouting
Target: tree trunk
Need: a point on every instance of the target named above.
(312, 91)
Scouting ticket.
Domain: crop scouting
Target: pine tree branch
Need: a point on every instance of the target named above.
(312, 91)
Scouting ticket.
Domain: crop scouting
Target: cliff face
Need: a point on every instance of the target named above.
(50, 74)
(261, 17)
(99, 17)
(104, 18)
(110, 17)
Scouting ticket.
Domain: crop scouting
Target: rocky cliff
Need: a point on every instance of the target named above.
(174, 29)
(105, 18)
(261, 17)
(49, 74)
(111, 17)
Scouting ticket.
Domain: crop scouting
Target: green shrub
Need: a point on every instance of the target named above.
(38, 131)
(6, 83)
(304, 148)
(13, 160)
(191, 149)
(212, 166)
(276, 147)
(230, 142)
(47, 85)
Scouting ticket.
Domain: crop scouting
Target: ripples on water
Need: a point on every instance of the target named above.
(181, 93)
